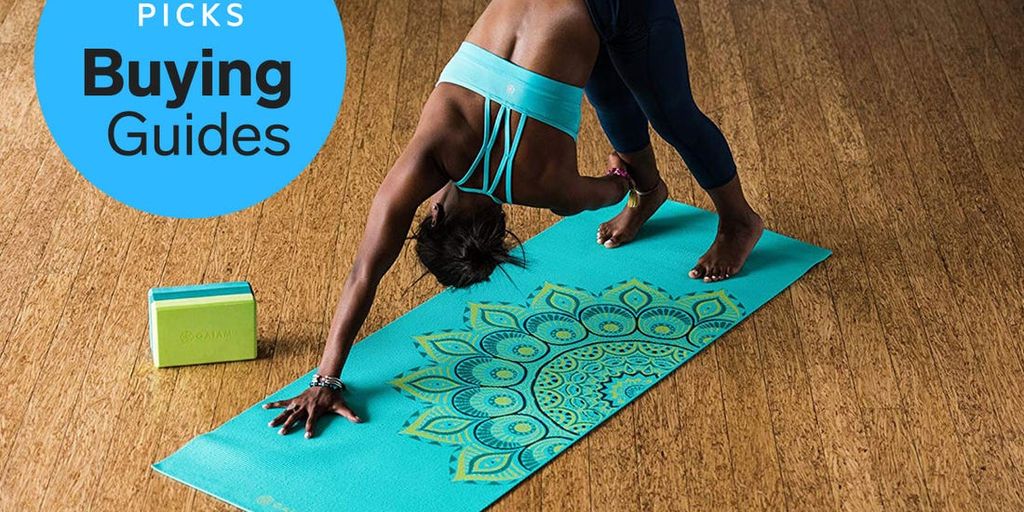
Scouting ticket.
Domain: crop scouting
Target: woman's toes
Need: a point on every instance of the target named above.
(697, 272)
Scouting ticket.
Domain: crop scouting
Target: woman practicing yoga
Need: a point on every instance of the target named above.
(501, 127)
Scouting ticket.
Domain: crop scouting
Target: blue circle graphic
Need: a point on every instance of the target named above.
(190, 109)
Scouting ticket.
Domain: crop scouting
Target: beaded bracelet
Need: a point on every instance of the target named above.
(620, 172)
(634, 194)
(323, 381)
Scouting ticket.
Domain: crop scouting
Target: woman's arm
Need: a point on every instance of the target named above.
(414, 178)
(412, 181)
(581, 193)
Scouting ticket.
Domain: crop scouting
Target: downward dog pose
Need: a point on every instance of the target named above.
(501, 127)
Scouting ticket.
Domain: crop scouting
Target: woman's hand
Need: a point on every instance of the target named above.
(309, 407)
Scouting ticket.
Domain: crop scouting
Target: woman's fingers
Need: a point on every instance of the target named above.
(293, 420)
(310, 422)
(343, 411)
(296, 413)
(277, 405)
(285, 424)
(280, 419)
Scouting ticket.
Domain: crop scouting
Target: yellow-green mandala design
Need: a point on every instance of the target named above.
(523, 382)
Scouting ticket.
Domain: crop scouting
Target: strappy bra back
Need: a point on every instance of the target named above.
(514, 89)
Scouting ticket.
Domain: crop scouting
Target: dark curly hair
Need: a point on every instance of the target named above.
(464, 250)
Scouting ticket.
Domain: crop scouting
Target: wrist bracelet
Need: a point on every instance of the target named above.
(323, 381)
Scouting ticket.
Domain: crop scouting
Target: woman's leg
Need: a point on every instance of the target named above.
(621, 117)
(649, 53)
(625, 125)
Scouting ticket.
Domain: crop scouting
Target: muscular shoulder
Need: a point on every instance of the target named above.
(450, 127)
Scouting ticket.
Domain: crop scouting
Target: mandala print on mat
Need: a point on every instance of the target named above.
(523, 382)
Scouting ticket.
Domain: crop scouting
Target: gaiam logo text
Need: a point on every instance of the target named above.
(205, 336)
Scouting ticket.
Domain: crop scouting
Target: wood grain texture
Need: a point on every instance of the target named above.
(888, 378)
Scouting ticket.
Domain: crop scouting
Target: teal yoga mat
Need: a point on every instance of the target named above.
(472, 391)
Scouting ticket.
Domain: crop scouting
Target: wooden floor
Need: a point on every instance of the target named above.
(889, 378)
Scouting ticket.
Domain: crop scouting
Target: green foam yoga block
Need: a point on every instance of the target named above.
(208, 323)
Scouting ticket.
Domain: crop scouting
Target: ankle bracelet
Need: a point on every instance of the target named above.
(635, 195)
(649, 192)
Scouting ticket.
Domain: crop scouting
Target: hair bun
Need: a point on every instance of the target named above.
(483, 252)
(462, 252)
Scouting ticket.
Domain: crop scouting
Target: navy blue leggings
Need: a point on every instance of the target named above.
(641, 76)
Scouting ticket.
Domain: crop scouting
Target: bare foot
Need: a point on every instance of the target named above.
(736, 237)
(624, 227)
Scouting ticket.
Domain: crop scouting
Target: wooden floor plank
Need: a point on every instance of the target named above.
(894, 147)
(755, 458)
(5, 7)
(881, 400)
(987, 94)
(833, 375)
(20, 168)
(27, 241)
(1005, 24)
(52, 405)
(964, 237)
(10, 52)
(349, 226)
(18, 93)
(790, 397)
(1000, 157)
(35, 332)
(80, 327)
(73, 476)
(19, 26)
(878, 395)
(1005, 179)
(19, 163)
(774, 61)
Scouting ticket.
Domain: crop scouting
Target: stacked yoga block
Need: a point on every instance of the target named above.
(198, 324)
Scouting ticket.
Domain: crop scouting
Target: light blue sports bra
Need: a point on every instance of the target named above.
(514, 89)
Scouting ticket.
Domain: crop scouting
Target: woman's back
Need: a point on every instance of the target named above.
(553, 38)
